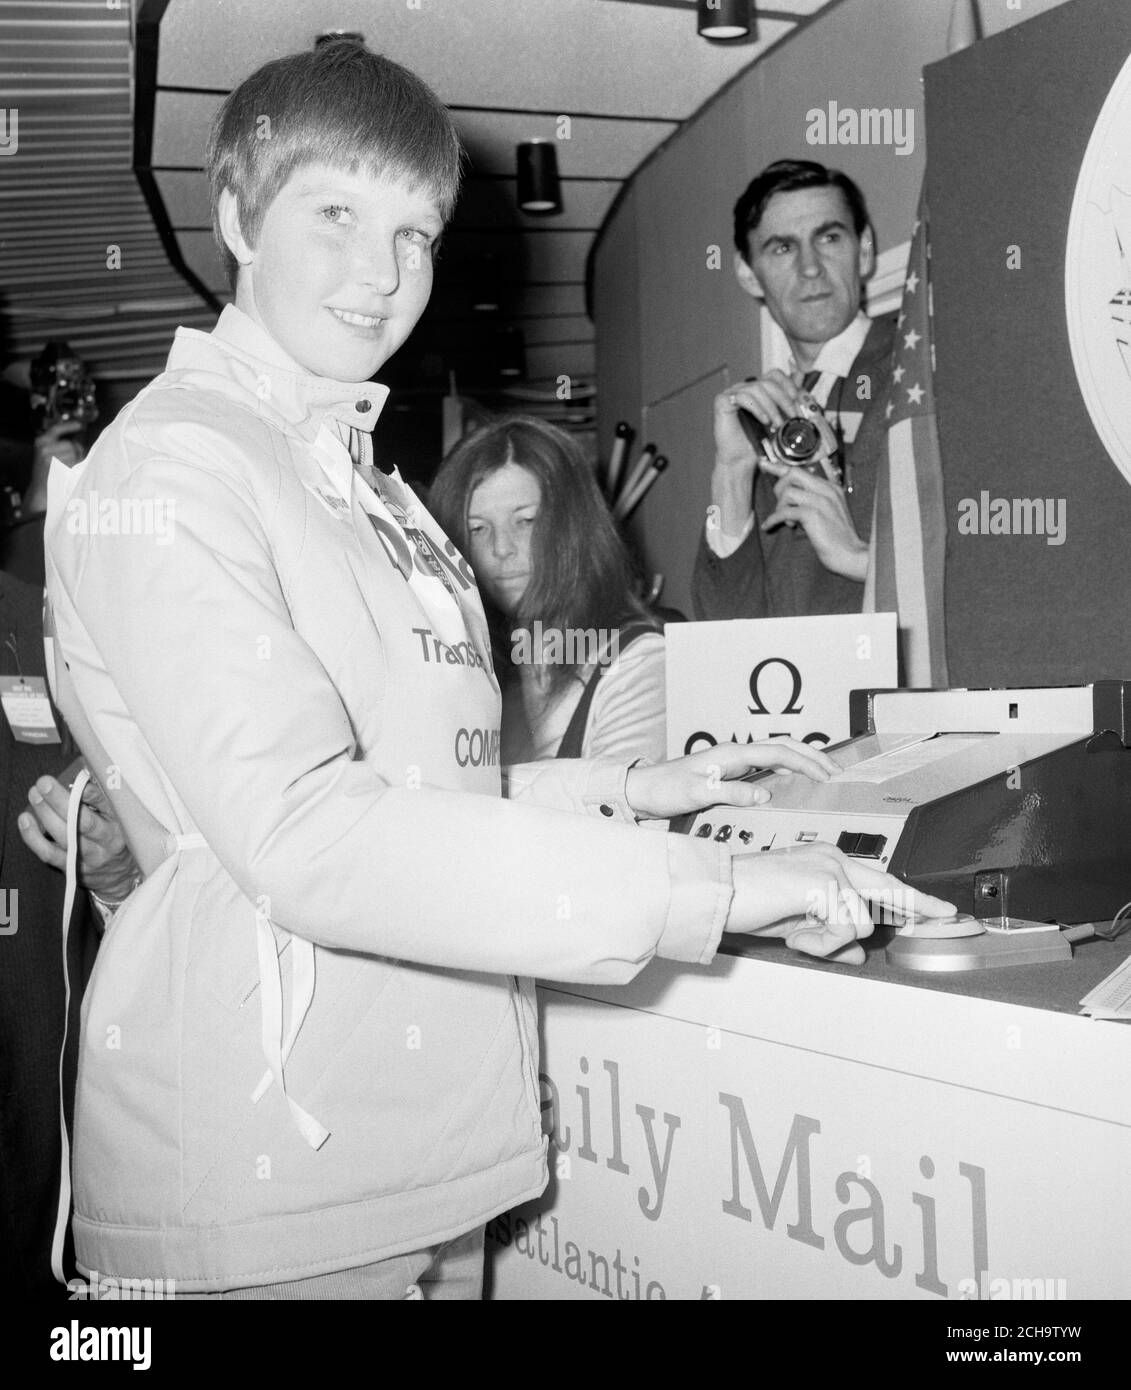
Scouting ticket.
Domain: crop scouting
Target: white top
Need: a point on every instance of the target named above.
(626, 719)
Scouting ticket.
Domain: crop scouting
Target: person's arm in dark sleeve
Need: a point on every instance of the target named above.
(731, 586)
(729, 578)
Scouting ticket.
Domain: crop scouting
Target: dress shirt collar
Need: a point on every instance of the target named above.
(838, 354)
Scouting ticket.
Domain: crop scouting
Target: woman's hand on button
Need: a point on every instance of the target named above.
(816, 899)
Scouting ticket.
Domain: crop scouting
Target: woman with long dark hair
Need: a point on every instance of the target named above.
(580, 658)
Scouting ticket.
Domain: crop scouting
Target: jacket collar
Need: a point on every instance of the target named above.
(239, 350)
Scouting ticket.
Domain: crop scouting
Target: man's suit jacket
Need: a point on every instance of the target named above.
(779, 575)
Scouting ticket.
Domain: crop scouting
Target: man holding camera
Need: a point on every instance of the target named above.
(787, 530)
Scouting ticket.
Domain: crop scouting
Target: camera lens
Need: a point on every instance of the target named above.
(798, 440)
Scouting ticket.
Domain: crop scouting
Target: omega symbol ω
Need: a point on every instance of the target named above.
(791, 706)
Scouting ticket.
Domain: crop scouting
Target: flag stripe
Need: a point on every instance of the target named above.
(870, 605)
(932, 504)
(907, 525)
(881, 575)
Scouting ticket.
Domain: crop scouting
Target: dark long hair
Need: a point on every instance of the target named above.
(581, 574)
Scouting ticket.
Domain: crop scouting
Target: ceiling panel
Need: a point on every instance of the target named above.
(548, 55)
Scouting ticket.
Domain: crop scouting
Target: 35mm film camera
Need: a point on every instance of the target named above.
(806, 440)
(61, 387)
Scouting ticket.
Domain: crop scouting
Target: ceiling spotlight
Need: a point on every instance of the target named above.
(539, 187)
(724, 19)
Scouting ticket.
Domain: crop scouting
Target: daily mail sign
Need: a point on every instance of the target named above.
(751, 679)
(764, 1131)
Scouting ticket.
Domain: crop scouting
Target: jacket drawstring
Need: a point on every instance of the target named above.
(276, 1048)
(63, 1213)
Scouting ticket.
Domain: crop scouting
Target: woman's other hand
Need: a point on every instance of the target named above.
(712, 776)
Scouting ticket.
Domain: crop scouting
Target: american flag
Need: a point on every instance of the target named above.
(907, 555)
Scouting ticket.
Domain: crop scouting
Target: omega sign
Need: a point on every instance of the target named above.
(767, 688)
(748, 680)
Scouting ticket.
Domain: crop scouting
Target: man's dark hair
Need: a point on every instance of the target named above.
(787, 176)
